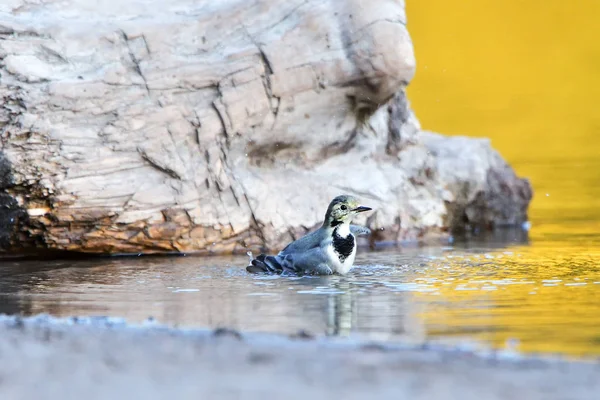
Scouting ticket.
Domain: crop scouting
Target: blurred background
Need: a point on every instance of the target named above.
(525, 74)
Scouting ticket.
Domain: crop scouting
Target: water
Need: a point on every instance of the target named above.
(528, 80)
(498, 293)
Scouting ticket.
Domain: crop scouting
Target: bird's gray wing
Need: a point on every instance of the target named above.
(313, 261)
(359, 230)
(266, 264)
(305, 243)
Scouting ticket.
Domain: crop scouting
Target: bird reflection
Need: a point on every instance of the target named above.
(341, 311)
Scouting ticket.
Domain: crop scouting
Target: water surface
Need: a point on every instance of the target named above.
(525, 75)
(483, 294)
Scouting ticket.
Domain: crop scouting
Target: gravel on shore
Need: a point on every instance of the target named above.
(99, 358)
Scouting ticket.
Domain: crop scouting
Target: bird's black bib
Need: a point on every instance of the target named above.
(343, 246)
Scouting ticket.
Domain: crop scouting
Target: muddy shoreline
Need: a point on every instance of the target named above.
(45, 357)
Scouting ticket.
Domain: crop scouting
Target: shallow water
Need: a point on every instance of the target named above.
(485, 294)
(525, 75)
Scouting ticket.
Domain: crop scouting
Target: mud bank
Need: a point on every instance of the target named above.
(48, 358)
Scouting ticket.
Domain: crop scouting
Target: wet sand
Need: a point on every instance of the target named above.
(43, 357)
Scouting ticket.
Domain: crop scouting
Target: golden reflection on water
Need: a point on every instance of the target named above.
(526, 75)
(546, 301)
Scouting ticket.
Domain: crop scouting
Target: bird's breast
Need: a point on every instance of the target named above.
(343, 245)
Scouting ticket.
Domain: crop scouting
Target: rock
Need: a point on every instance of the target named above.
(174, 126)
(486, 192)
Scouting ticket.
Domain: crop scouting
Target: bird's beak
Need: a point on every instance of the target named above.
(361, 209)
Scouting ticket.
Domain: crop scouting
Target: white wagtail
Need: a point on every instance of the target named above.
(330, 249)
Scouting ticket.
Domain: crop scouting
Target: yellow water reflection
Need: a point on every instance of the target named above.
(545, 302)
(527, 75)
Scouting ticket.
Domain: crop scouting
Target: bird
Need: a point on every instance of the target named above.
(328, 250)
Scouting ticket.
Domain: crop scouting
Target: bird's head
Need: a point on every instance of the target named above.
(342, 209)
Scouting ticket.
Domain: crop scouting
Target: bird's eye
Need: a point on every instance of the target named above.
(343, 207)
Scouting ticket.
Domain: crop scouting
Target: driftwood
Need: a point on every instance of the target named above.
(218, 126)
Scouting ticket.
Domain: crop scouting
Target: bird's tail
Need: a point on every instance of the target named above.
(265, 264)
